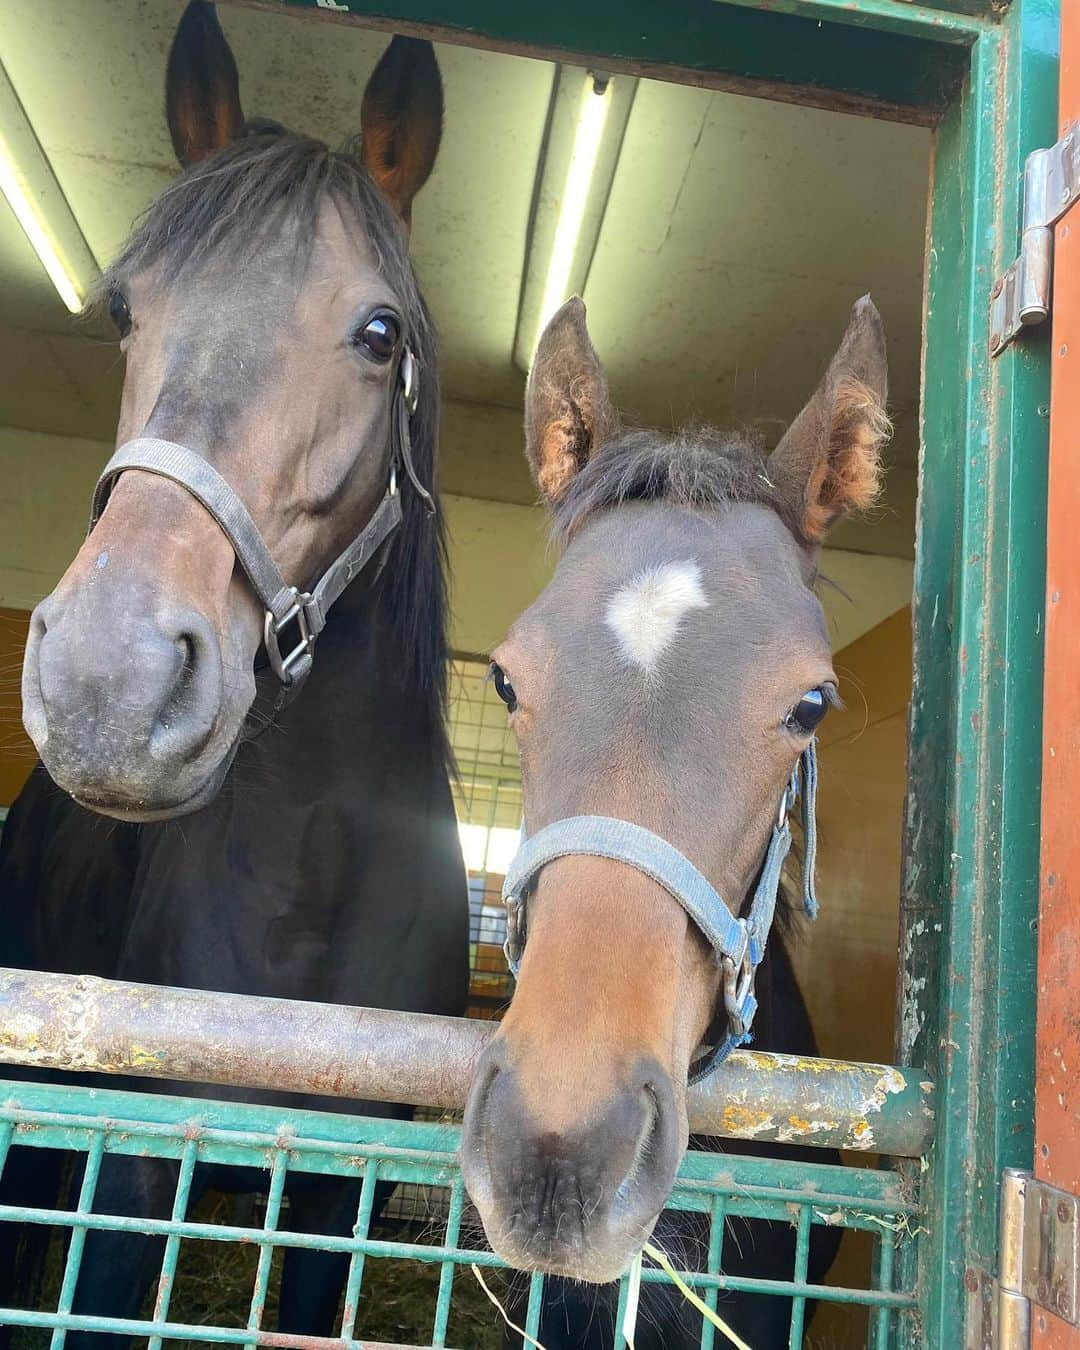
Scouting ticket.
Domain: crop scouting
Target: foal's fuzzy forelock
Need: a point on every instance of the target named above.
(646, 613)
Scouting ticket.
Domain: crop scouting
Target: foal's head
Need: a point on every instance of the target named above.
(670, 675)
(262, 304)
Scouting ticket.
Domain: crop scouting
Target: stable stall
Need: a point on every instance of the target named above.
(719, 181)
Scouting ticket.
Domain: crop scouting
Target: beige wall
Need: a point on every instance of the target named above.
(847, 959)
(498, 552)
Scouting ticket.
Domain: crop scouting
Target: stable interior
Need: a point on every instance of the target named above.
(724, 239)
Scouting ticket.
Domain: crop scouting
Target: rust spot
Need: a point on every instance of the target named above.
(744, 1118)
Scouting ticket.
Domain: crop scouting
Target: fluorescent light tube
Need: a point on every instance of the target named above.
(588, 135)
(29, 185)
(35, 232)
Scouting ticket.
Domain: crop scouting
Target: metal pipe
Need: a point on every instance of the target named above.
(85, 1024)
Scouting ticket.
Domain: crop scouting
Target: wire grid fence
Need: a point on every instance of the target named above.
(427, 1218)
(719, 1188)
(487, 798)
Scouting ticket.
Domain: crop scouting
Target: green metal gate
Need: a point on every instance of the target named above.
(984, 74)
(718, 1185)
(52, 1021)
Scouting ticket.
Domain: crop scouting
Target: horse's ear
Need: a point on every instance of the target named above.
(202, 88)
(829, 460)
(401, 121)
(568, 411)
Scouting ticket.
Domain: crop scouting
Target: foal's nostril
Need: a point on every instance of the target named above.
(647, 1146)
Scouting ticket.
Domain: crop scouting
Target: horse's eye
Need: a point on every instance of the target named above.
(503, 687)
(379, 336)
(807, 714)
(119, 313)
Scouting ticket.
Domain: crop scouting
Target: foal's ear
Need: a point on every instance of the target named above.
(828, 461)
(401, 121)
(202, 88)
(568, 412)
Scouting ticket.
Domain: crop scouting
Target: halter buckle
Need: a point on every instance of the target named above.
(739, 993)
(410, 385)
(514, 946)
(788, 798)
(284, 667)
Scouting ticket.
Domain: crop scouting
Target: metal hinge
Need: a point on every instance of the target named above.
(1038, 1260)
(1021, 298)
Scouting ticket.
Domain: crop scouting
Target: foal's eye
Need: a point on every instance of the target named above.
(503, 687)
(807, 714)
(379, 336)
(119, 313)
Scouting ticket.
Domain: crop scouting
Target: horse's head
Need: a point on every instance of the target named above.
(264, 304)
(671, 675)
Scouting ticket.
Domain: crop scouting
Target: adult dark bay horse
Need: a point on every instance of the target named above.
(281, 366)
(669, 680)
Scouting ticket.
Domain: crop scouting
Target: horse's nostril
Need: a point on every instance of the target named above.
(480, 1098)
(33, 705)
(648, 1137)
(189, 710)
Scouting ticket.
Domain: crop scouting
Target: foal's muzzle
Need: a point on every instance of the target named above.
(577, 1201)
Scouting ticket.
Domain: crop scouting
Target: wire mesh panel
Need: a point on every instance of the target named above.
(721, 1189)
(487, 802)
(487, 799)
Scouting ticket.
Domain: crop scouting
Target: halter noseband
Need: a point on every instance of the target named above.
(283, 604)
(739, 943)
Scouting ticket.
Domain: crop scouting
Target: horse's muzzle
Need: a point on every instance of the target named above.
(576, 1200)
(123, 695)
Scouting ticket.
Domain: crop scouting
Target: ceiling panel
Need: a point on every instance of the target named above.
(110, 149)
(737, 235)
(28, 294)
(58, 382)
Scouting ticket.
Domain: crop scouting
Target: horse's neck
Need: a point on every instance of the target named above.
(335, 824)
(355, 710)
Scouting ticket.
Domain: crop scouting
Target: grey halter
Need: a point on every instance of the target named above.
(739, 943)
(283, 604)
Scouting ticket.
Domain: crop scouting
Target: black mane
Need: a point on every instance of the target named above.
(263, 184)
(697, 466)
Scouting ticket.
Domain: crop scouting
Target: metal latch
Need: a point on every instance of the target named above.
(1021, 298)
(1039, 1257)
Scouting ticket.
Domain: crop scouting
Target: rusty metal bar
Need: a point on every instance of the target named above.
(85, 1024)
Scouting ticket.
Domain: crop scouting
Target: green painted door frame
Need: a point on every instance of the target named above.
(984, 75)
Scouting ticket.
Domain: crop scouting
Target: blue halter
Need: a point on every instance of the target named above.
(739, 943)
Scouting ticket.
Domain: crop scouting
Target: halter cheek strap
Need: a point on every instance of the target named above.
(739, 943)
(283, 604)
